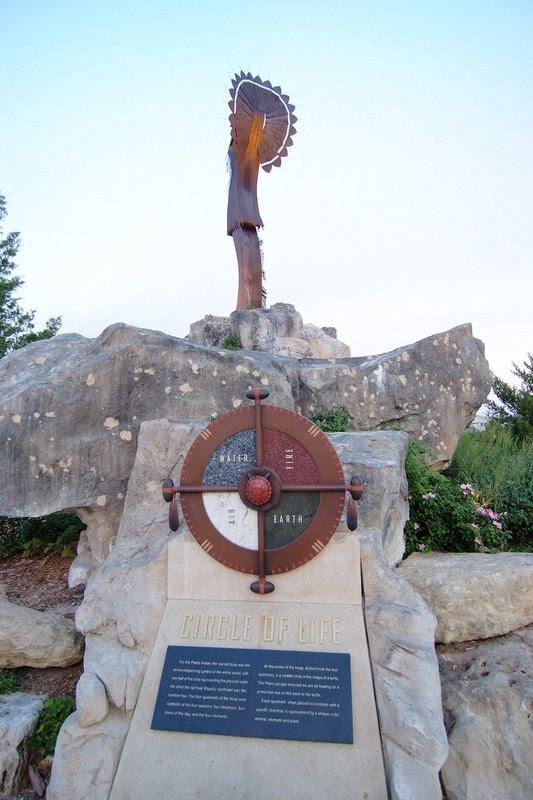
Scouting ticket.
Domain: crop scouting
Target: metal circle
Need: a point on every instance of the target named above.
(321, 466)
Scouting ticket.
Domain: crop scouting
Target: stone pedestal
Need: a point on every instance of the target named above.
(314, 609)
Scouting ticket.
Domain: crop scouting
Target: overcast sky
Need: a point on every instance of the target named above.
(404, 207)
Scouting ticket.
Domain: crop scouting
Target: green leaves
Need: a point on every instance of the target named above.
(499, 465)
(232, 342)
(31, 536)
(16, 325)
(445, 514)
(54, 713)
(335, 421)
(9, 682)
(515, 405)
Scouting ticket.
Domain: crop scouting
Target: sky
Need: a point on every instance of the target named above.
(404, 207)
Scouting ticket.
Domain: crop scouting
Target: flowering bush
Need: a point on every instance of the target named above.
(499, 467)
(445, 515)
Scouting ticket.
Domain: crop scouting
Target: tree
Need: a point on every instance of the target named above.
(515, 406)
(16, 325)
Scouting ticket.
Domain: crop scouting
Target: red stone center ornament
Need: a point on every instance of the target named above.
(288, 484)
(258, 490)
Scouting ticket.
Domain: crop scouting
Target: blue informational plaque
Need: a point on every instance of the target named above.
(271, 694)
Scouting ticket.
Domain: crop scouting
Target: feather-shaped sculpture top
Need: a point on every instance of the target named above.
(261, 116)
(262, 126)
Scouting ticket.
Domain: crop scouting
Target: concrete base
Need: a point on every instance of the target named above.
(314, 608)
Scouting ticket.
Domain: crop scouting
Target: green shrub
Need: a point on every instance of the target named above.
(500, 467)
(232, 342)
(335, 421)
(30, 536)
(446, 515)
(9, 682)
(54, 713)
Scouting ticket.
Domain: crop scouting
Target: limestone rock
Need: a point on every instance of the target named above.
(119, 669)
(70, 414)
(431, 389)
(120, 615)
(473, 595)
(259, 327)
(278, 330)
(125, 597)
(86, 759)
(84, 564)
(378, 459)
(488, 700)
(400, 629)
(92, 704)
(210, 331)
(71, 407)
(30, 638)
(19, 713)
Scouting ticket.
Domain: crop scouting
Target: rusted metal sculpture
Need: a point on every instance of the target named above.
(262, 124)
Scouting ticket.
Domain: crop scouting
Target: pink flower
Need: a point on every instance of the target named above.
(478, 540)
(428, 496)
(468, 488)
(416, 526)
(498, 524)
(421, 546)
(474, 525)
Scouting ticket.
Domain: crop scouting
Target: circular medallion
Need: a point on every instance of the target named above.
(262, 489)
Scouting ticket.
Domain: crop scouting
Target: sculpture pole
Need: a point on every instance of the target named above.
(262, 124)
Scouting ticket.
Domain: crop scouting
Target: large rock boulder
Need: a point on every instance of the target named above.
(278, 330)
(92, 753)
(400, 630)
(123, 604)
(473, 595)
(431, 389)
(71, 407)
(30, 638)
(378, 459)
(487, 693)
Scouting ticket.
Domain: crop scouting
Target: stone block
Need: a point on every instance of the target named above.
(19, 713)
(473, 595)
(487, 694)
(30, 638)
(88, 758)
(400, 629)
(92, 704)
